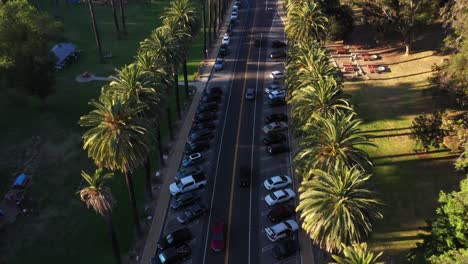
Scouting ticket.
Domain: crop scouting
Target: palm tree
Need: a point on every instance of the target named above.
(306, 21)
(336, 206)
(99, 197)
(116, 22)
(122, 14)
(184, 15)
(117, 139)
(203, 2)
(332, 140)
(95, 29)
(357, 254)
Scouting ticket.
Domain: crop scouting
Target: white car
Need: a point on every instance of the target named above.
(277, 182)
(277, 75)
(235, 8)
(279, 196)
(226, 40)
(273, 87)
(219, 64)
(234, 15)
(275, 127)
(277, 94)
(281, 230)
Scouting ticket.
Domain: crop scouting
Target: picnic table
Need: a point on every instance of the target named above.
(342, 51)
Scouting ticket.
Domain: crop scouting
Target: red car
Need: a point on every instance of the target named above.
(218, 238)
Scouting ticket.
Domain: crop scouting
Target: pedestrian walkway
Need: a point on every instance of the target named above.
(176, 154)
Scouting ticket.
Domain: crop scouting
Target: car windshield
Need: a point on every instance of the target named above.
(170, 238)
(283, 178)
(273, 196)
(179, 184)
(269, 126)
(270, 181)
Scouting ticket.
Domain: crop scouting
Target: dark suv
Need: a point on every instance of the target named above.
(174, 239)
(277, 148)
(279, 213)
(175, 255)
(244, 177)
(203, 134)
(285, 248)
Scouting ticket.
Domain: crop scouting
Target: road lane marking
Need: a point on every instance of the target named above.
(265, 213)
(266, 248)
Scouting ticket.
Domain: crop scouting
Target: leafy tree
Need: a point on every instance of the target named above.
(426, 130)
(357, 254)
(336, 206)
(117, 139)
(449, 229)
(462, 161)
(459, 256)
(306, 21)
(396, 15)
(26, 35)
(334, 140)
(99, 197)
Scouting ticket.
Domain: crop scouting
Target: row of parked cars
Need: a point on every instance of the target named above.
(190, 180)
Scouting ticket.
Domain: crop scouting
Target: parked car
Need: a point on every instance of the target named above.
(223, 50)
(196, 146)
(277, 149)
(202, 134)
(279, 213)
(285, 249)
(238, 3)
(277, 75)
(212, 107)
(184, 200)
(187, 184)
(273, 87)
(277, 44)
(193, 159)
(281, 230)
(276, 54)
(277, 182)
(204, 125)
(235, 8)
(277, 102)
(279, 196)
(192, 213)
(211, 98)
(273, 138)
(184, 172)
(205, 116)
(174, 239)
(175, 254)
(277, 94)
(234, 15)
(279, 117)
(219, 64)
(250, 94)
(275, 127)
(213, 90)
(226, 40)
(244, 177)
(218, 235)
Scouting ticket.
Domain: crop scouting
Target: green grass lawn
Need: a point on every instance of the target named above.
(408, 182)
(61, 229)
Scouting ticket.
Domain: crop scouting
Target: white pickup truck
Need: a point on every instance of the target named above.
(187, 184)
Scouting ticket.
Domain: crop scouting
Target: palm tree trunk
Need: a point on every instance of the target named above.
(220, 14)
(116, 22)
(214, 21)
(204, 25)
(160, 146)
(184, 69)
(122, 14)
(177, 94)
(133, 204)
(210, 18)
(149, 188)
(115, 242)
(169, 123)
(95, 29)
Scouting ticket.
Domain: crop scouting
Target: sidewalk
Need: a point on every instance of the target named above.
(176, 153)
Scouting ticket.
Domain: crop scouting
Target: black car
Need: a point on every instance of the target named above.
(211, 98)
(280, 213)
(196, 146)
(278, 44)
(276, 118)
(277, 102)
(200, 126)
(175, 254)
(273, 138)
(184, 199)
(203, 134)
(244, 177)
(192, 213)
(174, 239)
(194, 170)
(223, 50)
(285, 248)
(213, 90)
(276, 54)
(205, 116)
(277, 149)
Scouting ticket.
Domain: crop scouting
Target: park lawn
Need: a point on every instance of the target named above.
(61, 229)
(408, 183)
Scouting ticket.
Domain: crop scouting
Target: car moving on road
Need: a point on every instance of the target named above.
(250, 94)
(192, 213)
(279, 196)
(174, 239)
(277, 182)
(218, 235)
(281, 230)
(275, 127)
